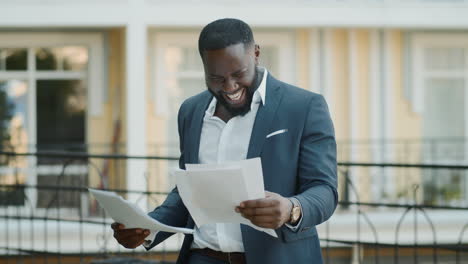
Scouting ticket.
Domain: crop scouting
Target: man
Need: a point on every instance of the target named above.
(247, 113)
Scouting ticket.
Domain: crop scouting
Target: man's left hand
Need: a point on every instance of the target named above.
(270, 212)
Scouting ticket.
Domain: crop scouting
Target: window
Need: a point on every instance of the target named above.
(440, 95)
(45, 81)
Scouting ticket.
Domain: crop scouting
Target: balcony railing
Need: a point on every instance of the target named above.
(388, 213)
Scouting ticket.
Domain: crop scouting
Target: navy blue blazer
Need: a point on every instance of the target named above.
(299, 163)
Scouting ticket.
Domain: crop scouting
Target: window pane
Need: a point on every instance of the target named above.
(74, 58)
(61, 115)
(444, 119)
(13, 137)
(444, 108)
(13, 59)
(61, 199)
(269, 59)
(191, 60)
(445, 58)
(183, 89)
(182, 59)
(184, 78)
(186, 87)
(13, 115)
(69, 58)
(46, 60)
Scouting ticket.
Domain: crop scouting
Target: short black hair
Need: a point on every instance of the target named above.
(225, 32)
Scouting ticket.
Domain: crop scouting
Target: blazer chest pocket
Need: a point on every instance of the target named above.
(277, 133)
(280, 140)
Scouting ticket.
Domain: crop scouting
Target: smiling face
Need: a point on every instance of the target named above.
(231, 76)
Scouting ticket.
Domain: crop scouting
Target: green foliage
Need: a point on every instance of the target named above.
(448, 192)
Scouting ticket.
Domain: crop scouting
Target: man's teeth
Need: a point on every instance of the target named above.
(235, 96)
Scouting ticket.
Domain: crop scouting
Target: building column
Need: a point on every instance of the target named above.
(375, 115)
(135, 52)
(382, 92)
(328, 70)
(354, 103)
(315, 60)
(388, 90)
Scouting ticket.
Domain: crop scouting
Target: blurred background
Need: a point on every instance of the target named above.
(89, 94)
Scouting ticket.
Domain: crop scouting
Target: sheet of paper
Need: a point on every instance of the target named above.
(127, 213)
(212, 191)
(251, 172)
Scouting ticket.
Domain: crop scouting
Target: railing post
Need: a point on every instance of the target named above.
(415, 226)
(346, 198)
(357, 254)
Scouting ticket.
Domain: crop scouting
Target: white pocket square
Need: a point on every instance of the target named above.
(277, 133)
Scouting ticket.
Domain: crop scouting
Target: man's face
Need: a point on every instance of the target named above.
(230, 75)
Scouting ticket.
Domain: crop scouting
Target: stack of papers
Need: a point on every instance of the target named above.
(211, 192)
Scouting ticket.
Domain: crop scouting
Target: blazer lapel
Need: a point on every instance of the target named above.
(264, 118)
(194, 133)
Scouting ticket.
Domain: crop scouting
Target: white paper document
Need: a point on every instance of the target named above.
(129, 214)
(211, 192)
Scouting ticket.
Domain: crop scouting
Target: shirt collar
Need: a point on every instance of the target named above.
(258, 97)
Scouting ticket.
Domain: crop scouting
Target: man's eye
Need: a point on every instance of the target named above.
(238, 75)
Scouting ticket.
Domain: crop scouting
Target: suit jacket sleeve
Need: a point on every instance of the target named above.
(172, 211)
(317, 170)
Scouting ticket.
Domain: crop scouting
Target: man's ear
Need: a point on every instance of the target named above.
(257, 54)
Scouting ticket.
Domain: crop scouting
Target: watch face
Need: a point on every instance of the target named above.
(296, 213)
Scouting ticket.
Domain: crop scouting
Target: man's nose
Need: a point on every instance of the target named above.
(230, 86)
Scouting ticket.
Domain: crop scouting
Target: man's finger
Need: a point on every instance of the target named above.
(137, 242)
(265, 202)
(117, 226)
(265, 224)
(258, 211)
(263, 219)
(129, 233)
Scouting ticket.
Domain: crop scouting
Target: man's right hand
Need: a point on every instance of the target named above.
(129, 238)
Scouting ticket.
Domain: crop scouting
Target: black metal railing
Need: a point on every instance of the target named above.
(405, 227)
(388, 213)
